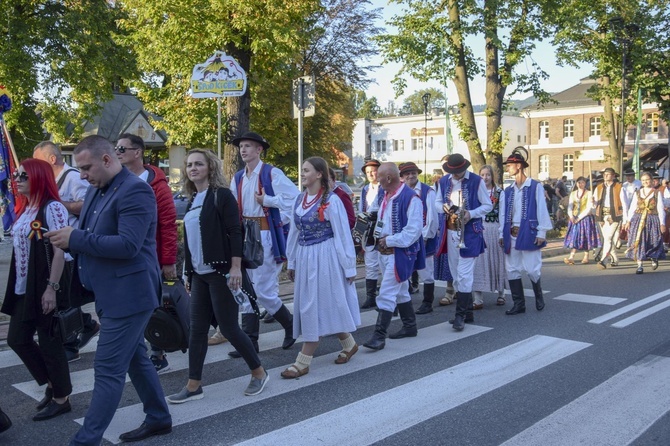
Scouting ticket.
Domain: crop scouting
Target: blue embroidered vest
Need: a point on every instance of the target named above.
(364, 194)
(412, 258)
(431, 244)
(474, 229)
(310, 230)
(525, 240)
(272, 214)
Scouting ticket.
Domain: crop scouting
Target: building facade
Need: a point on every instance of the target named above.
(572, 128)
(407, 138)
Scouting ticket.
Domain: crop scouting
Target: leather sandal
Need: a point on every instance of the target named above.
(568, 261)
(585, 261)
(344, 357)
(446, 300)
(500, 301)
(478, 307)
(292, 372)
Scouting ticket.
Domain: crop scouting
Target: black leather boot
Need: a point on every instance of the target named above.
(378, 339)
(428, 297)
(370, 294)
(408, 319)
(539, 298)
(462, 304)
(251, 325)
(285, 318)
(414, 283)
(516, 288)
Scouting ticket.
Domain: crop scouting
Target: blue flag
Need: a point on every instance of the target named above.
(6, 168)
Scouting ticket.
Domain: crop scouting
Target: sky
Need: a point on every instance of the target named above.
(560, 78)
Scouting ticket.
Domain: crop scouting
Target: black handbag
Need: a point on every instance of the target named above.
(67, 323)
(252, 254)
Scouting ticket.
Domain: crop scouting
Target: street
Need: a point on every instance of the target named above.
(592, 368)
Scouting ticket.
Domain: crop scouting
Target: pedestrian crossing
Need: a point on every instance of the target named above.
(642, 389)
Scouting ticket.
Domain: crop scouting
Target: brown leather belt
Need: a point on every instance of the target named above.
(385, 251)
(262, 221)
(514, 230)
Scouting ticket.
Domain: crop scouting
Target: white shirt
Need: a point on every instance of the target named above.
(411, 232)
(192, 228)
(284, 193)
(373, 191)
(456, 198)
(659, 205)
(73, 189)
(543, 219)
(432, 226)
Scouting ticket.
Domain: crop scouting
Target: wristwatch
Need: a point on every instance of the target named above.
(54, 285)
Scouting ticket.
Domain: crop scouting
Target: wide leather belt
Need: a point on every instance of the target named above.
(262, 221)
(514, 230)
(385, 251)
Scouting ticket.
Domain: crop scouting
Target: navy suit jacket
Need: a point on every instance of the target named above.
(115, 247)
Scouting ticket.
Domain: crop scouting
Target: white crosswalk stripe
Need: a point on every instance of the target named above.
(590, 299)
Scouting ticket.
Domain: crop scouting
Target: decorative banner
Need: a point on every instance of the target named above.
(220, 76)
(8, 164)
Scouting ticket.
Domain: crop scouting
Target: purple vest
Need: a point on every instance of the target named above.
(310, 230)
(412, 258)
(525, 240)
(364, 193)
(431, 244)
(474, 229)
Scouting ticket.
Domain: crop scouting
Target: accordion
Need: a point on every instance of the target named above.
(364, 229)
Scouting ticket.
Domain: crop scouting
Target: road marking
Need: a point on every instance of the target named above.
(400, 408)
(623, 310)
(641, 315)
(83, 380)
(589, 299)
(228, 395)
(614, 413)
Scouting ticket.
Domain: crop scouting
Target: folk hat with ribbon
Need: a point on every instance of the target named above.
(456, 163)
(629, 172)
(252, 136)
(408, 167)
(517, 157)
(370, 162)
(610, 170)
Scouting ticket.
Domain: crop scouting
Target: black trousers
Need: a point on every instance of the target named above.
(46, 361)
(210, 295)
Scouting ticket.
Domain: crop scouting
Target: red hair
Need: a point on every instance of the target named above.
(42, 185)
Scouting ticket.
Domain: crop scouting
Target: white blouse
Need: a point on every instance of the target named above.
(192, 228)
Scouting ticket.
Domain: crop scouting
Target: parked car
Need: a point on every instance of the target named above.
(181, 203)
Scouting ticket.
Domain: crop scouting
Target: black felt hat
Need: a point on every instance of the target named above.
(252, 136)
(456, 163)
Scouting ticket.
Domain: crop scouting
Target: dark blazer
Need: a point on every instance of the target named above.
(115, 246)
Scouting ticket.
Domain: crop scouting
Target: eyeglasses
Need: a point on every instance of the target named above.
(122, 149)
(20, 177)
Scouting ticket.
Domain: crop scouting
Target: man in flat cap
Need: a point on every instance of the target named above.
(410, 175)
(524, 222)
(609, 214)
(371, 195)
(264, 194)
(463, 200)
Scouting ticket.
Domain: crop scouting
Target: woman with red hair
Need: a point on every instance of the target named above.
(34, 286)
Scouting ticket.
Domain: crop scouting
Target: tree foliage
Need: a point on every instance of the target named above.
(431, 45)
(64, 54)
(413, 103)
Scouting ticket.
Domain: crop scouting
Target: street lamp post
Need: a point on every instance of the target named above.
(426, 100)
(624, 34)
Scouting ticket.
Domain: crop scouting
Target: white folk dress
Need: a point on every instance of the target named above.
(325, 302)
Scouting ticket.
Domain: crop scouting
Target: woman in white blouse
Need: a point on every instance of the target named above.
(582, 233)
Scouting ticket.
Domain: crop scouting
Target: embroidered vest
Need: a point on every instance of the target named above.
(413, 257)
(272, 214)
(431, 244)
(525, 240)
(310, 230)
(364, 195)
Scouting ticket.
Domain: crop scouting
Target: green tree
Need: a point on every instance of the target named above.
(431, 45)
(67, 56)
(600, 33)
(369, 109)
(414, 102)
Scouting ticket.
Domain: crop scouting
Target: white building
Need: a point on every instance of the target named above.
(401, 138)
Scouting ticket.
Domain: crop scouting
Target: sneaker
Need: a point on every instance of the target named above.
(161, 365)
(185, 395)
(72, 355)
(256, 385)
(86, 336)
(216, 339)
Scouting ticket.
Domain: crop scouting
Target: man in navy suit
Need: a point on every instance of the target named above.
(115, 250)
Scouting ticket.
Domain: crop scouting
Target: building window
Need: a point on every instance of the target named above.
(379, 146)
(652, 122)
(417, 143)
(568, 128)
(383, 145)
(595, 126)
(402, 144)
(544, 129)
(568, 163)
(544, 163)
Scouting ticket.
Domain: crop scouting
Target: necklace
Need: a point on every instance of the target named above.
(307, 204)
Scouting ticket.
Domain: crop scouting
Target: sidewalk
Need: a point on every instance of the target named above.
(554, 248)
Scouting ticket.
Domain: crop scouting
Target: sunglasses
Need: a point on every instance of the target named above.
(20, 177)
(122, 149)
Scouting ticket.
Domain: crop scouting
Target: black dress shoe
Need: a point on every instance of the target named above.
(424, 308)
(654, 264)
(235, 354)
(145, 431)
(5, 422)
(53, 409)
(467, 320)
(87, 335)
(639, 270)
(48, 396)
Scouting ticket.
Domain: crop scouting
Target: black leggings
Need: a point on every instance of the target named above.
(210, 295)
